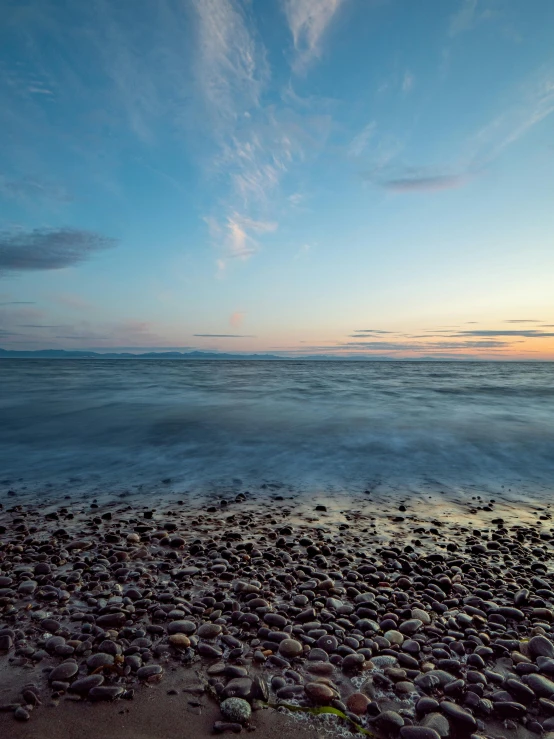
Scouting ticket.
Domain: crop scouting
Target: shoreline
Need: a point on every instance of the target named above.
(397, 612)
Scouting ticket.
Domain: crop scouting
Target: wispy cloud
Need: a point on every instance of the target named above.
(362, 139)
(425, 184)
(47, 249)
(256, 143)
(308, 20)
(33, 188)
(18, 302)
(534, 103)
(236, 238)
(231, 67)
(464, 19)
(408, 81)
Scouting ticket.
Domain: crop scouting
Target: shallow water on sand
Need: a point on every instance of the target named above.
(93, 425)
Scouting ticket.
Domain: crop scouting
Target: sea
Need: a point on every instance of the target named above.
(93, 426)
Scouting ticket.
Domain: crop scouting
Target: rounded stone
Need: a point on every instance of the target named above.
(181, 627)
(353, 662)
(100, 659)
(105, 692)
(394, 637)
(540, 646)
(181, 641)
(84, 684)
(236, 710)
(328, 643)
(460, 717)
(150, 673)
(410, 627)
(64, 672)
(422, 615)
(437, 722)
(319, 692)
(418, 732)
(389, 721)
(290, 648)
(358, 703)
(209, 631)
(109, 620)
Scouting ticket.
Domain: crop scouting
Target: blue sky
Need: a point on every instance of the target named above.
(297, 176)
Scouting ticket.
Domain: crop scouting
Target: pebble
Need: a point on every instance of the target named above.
(290, 648)
(444, 618)
(236, 710)
(358, 703)
(64, 672)
(319, 692)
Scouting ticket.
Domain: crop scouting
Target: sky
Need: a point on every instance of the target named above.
(338, 177)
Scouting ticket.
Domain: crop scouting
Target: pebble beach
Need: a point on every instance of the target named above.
(390, 617)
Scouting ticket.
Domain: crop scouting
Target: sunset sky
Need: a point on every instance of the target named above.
(288, 176)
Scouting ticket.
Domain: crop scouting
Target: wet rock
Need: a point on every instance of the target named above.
(410, 627)
(6, 643)
(100, 659)
(418, 732)
(458, 716)
(150, 673)
(358, 703)
(353, 662)
(389, 722)
(540, 646)
(109, 620)
(84, 684)
(437, 722)
(105, 693)
(238, 687)
(180, 641)
(209, 631)
(21, 714)
(181, 627)
(290, 648)
(319, 693)
(540, 685)
(236, 710)
(64, 672)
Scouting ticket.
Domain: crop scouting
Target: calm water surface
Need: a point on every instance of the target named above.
(118, 424)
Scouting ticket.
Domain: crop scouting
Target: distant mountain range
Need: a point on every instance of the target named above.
(195, 355)
(69, 354)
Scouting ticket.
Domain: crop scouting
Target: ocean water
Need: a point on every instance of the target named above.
(123, 425)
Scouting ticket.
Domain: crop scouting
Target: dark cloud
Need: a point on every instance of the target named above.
(18, 302)
(87, 337)
(528, 334)
(225, 336)
(414, 346)
(424, 184)
(48, 248)
(37, 325)
(371, 331)
(524, 320)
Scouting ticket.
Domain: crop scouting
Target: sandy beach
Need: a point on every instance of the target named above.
(411, 617)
